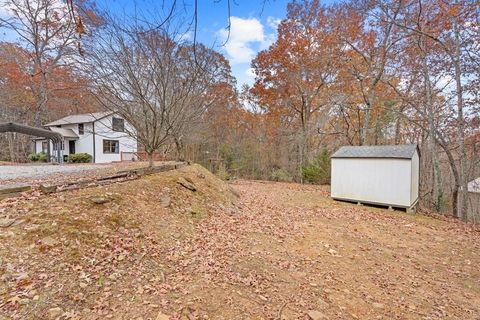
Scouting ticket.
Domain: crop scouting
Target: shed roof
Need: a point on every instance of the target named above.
(79, 118)
(391, 151)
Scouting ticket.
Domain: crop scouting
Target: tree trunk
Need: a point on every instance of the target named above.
(180, 149)
(437, 190)
(150, 159)
(303, 151)
(366, 120)
(398, 129)
(455, 173)
(377, 133)
(455, 201)
(42, 99)
(460, 127)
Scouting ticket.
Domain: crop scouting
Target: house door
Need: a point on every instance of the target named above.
(71, 146)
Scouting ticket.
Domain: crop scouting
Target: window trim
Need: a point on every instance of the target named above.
(110, 141)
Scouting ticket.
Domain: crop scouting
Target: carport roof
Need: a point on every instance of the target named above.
(390, 151)
(33, 131)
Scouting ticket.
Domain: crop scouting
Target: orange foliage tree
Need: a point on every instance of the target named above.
(294, 77)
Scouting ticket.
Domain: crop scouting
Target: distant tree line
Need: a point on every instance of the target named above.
(351, 73)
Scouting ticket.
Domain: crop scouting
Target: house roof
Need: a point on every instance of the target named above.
(474, 185)
(79, 118)
(391, 151)
(66, 133)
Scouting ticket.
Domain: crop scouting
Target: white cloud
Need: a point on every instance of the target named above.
(244, 34)
(250, 72)
(247, 37)
(273, 22)
(269, 39)
(7, 7)
(244, 74)
(6, 10)
(187, 36)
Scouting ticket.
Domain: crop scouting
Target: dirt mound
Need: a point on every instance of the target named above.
(67, 255)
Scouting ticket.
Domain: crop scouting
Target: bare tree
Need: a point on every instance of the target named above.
(156, 83)
(48, 32)
(455, 36)
(373, 44)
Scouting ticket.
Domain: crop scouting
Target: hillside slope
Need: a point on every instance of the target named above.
(101, 251)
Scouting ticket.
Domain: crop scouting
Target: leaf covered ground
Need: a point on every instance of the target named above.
(153, 249)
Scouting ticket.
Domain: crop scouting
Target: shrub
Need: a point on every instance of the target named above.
(318, 171)
(281, 175)
(38, 157)
(80, 158)
(43, 157)
(227, 154)
(223, 174)
(33, 157)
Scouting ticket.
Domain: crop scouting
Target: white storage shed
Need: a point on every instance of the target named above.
(385, 175)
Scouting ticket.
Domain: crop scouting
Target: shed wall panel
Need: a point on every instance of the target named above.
(415, 178)
(383, 181)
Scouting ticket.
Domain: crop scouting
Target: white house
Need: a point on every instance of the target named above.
(103, 135)
(385, 175)
(473, 203)
(474, 186)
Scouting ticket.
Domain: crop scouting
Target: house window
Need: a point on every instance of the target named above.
(44, 146)
(118, 124)
(81, 129)
(111, 146)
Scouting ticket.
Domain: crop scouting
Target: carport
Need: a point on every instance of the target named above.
(55, 137)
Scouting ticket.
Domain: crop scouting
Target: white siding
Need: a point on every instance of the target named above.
(375, 180)
(38, 146)
(415, 177)
(84, 143)
(103, 131)
(91, 141)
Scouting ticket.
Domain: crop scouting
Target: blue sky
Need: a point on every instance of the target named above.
(253, 26)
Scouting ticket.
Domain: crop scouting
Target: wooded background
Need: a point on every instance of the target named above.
(355, 73)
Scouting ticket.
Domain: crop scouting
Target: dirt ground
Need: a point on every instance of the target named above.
(247, 250)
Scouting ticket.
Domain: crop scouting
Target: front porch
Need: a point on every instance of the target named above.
(61, 149)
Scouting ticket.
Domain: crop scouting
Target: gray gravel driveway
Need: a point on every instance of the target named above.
(20, 175)
(39, 171)
(13, 175)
